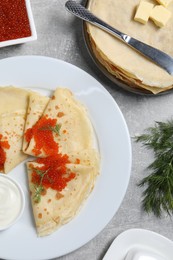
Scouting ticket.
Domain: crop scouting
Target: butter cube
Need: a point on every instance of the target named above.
(160, 15)
(143, 12)
(164, 2)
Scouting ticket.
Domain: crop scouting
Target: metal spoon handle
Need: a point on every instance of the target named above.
(160, 58)
(81, 12)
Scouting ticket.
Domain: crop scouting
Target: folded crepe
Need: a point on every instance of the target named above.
(54, 206)
(59, 132)
(67, 164)
(13, 106)
(64, 126)
(36, 106)
(119, 59)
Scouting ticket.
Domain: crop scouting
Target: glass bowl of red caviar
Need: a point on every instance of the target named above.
(16, 22)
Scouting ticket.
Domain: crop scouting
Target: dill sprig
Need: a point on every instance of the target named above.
(37, 193)
(38, 189)
(158, 195)
(55, 129)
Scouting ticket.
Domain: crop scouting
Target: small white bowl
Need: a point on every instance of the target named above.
(12, 201)
(32, 26)
(142, 254)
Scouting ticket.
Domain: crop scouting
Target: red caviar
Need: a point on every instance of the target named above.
(3, 145)
(43, 136)
(54, 173)
(14, 22)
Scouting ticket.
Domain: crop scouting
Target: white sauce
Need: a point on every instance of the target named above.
(10, 201)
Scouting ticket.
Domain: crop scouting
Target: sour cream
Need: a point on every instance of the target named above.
(11, 201)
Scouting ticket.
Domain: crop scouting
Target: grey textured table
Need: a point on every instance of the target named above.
(60, 36)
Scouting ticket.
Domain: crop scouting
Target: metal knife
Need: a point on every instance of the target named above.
(160, 58)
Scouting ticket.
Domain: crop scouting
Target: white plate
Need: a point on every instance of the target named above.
(45, 74)
(140, 239)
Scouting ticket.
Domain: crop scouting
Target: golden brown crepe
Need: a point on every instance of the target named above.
(57, 208)
(76, 132)
(74, 141)
(36, 106)
(62, 180)
(13, 105)
(121, 60)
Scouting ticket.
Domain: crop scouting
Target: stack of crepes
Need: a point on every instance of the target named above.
(58, 132)
(119, 59)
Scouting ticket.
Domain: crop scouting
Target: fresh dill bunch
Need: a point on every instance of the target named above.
(158, 195)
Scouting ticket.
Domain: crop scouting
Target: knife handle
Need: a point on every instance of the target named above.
(81, 12)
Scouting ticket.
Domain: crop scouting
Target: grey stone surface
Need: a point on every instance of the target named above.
(60, 36)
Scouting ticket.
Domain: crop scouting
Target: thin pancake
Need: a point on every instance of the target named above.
(76, 132)
(57, 208)
(133, 65)
(36, 106)
(124, 76)
(13, 105)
